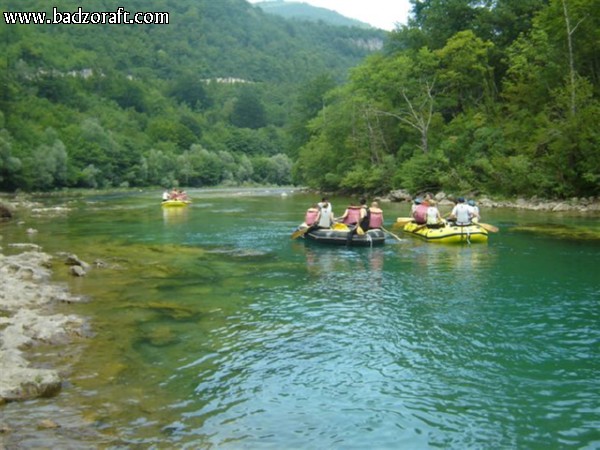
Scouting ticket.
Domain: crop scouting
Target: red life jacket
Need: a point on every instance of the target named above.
(311, 216)
(420, 213)
(376, 220)
(353, 216)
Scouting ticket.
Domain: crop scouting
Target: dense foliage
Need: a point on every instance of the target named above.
(492, 97)
(206, 99)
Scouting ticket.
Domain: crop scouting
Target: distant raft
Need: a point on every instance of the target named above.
(175, 203)
(449, 233)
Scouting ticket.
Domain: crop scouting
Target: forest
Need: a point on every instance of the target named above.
(496, 97)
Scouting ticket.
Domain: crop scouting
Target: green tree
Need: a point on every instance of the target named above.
(311, 99)
(10, 165)
(465, 75)
(47, 167)
(248, 111)
(190, 89)
(442, 19)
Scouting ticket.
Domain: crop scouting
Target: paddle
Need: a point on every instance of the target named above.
(488, 227)
(391, 234)
(359, 230)
(401, 221)
(300, 232)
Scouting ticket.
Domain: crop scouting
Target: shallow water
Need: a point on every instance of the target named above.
(212, 329)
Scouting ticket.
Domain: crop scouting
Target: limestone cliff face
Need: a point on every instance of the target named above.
(372, 45)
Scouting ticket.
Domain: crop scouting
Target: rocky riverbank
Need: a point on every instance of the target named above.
(28, 299)
(578, 205)
(28, 316)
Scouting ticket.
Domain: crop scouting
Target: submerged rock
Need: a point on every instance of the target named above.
(77, 271)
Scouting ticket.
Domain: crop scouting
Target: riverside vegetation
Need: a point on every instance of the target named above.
(500, 100)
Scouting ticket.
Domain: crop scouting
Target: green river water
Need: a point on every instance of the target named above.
(212, 329)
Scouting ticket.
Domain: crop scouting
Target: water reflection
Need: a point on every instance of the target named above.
(175, 215)
(323, 261)
(466, 259)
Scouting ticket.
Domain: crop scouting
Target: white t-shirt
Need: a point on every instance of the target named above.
(325, 217)
(432, 215)
(462, 213)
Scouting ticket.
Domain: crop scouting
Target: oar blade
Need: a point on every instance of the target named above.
(298, 233)
(489, 227)
(401, 221)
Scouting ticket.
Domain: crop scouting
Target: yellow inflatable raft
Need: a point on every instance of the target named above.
(449, 233)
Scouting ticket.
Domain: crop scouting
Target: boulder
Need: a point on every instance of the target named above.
(25, 322)
(400, 195)
(5, 212)
(19, 382)
(77, 271)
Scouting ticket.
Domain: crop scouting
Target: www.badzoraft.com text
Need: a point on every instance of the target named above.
(81, 17)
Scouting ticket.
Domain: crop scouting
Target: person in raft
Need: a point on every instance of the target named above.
(416, 202)
(434, 218)
(351, 216)
(474, 211)
(325, 219)
(312, 215)
(319, 215)
(376, 216)
(356, 216)
(420, 212)
(325, 203)
(461, 213)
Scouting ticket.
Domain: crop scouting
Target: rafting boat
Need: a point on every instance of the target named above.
(448, 234)
(338, 235)
(175, 203)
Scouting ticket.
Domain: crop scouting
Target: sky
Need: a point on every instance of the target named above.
(382, 14)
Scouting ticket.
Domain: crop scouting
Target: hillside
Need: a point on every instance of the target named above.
(498, 99)
(304, 11)
(203, 99)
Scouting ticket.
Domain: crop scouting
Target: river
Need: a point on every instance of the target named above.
(213, 329)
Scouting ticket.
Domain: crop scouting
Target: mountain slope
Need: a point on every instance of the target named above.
(225, 38)
(304, 11)
(203, 99)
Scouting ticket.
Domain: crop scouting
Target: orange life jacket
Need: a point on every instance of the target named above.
(420, 213)
(376, 219)
(311, 216)
(353, 216)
